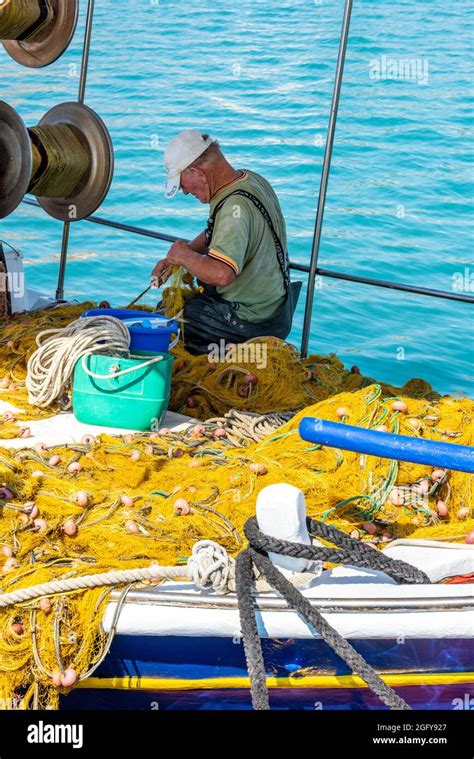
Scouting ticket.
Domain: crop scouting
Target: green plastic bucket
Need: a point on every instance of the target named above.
(131, 393)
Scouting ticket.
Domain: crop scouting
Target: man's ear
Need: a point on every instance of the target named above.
(199, 173)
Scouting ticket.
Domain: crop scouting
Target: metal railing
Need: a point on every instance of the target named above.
(295, 265)
(313, 270)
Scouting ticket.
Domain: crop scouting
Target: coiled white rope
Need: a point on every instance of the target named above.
(51, 366)
(208, 567)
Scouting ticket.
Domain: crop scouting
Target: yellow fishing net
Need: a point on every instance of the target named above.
(128, 502)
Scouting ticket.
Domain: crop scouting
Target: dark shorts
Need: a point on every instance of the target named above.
(209, 319)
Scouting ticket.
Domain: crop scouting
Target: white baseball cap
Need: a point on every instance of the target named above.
(180, 153)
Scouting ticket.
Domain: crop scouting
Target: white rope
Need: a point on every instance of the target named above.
(202, 564)
(115, 577)
(114, 374)
(51, 366)
(210, 566)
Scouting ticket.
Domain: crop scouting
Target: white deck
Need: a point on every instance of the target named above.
(63, 428)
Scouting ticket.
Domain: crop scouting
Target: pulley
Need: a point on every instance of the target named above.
(66, 161)
(37, 32)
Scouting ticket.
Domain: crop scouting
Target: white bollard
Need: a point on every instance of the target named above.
(281, 513)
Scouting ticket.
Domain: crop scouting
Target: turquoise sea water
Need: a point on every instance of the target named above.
(258, 75)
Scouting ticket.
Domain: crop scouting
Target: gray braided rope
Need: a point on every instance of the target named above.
(312, 616)
(248, 624)
(350, 552)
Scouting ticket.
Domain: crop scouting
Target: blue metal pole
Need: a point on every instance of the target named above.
(386, 445)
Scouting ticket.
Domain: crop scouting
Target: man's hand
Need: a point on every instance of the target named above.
(178, 252)
(162, 271)
(202, 267)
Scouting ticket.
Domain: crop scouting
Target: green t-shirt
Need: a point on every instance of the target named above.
(242, 239)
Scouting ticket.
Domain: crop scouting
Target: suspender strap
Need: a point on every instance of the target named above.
(282, 254)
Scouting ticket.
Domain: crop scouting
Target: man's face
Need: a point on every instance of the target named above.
(194, 181)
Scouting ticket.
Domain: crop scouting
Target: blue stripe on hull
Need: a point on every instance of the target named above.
(439, 697)
(197, 658)
(189, 658)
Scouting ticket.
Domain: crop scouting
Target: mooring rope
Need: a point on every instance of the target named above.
(51, 366)
(252, 642)
(352, 552)
(86, 582)
(209, 566)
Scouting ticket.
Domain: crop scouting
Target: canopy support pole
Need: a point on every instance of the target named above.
(324, 178)
(80, 99)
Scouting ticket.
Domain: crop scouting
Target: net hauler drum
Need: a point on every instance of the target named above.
(37, 32)
(66, 161)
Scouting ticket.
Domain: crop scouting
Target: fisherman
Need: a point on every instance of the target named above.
(240, 260)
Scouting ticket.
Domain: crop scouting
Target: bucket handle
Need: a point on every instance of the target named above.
(119, 374)
(175, 341)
